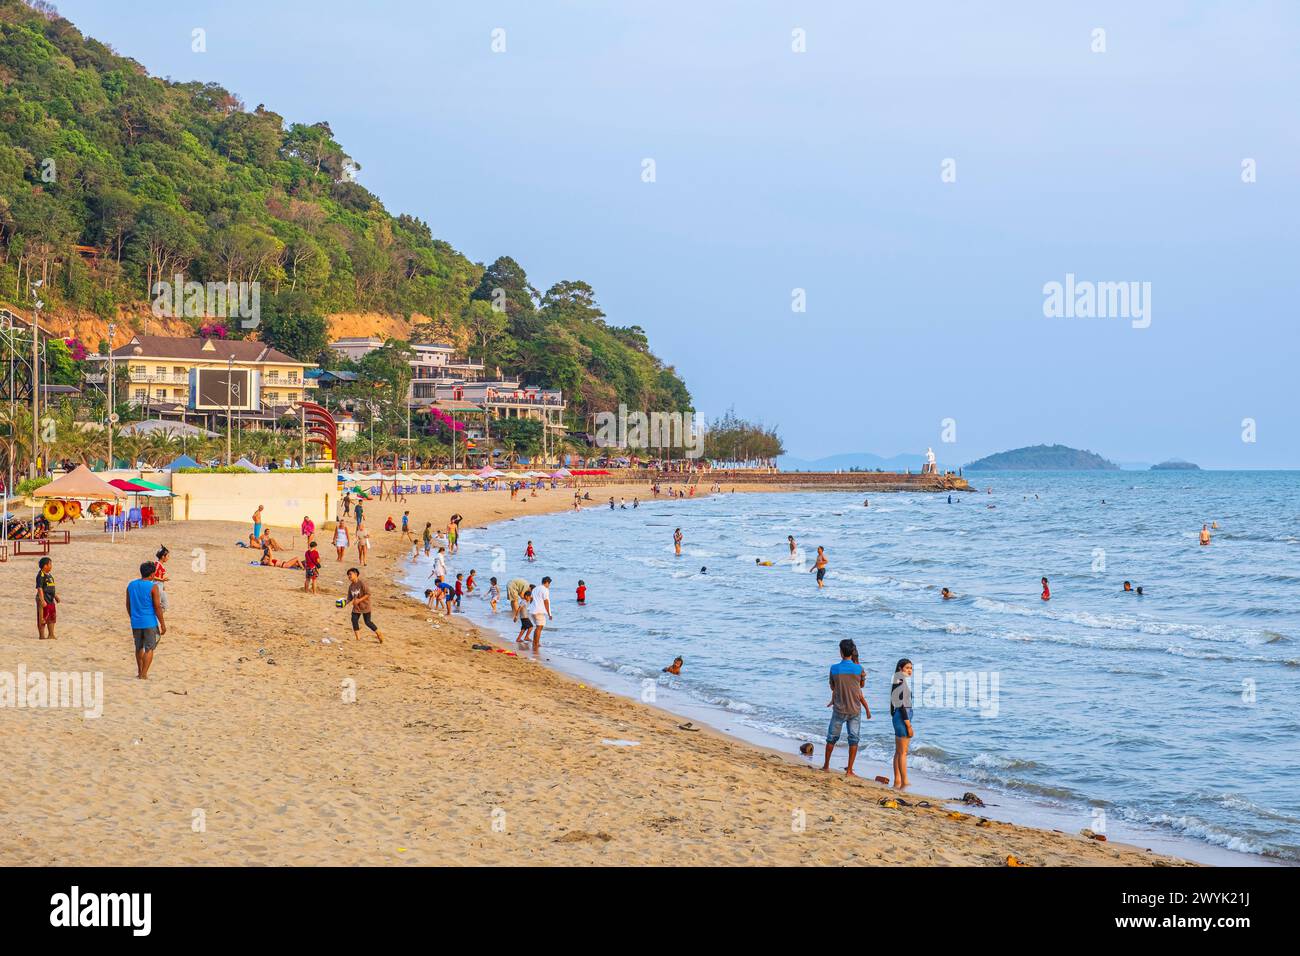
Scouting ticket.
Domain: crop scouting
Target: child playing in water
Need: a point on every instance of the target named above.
(529, 553)
(469, 581)
(494, 593)
(582, 593)
(675, 667)
(460, 589)
(1047, 592)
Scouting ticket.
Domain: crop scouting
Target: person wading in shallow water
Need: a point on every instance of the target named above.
(819, 566)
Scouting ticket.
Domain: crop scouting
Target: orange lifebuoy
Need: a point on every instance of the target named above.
(97, 507)
(74, 509)
(54, 510)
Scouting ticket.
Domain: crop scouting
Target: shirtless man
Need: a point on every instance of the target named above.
(819, 566)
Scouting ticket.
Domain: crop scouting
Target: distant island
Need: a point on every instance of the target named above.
(1044, 458)
(1176, 464)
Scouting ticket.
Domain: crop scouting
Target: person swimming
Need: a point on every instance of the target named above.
(704, 570)
(947, 595)
(1128, 586)
(675, 667)
(763, 564)
(1205, 535)
(1139, 591)
(1047, 592)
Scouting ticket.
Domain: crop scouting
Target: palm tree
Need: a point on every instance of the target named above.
(159, 448)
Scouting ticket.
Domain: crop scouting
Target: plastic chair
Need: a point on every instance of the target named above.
(133, 518)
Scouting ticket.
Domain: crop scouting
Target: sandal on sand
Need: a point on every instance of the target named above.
(687, 726)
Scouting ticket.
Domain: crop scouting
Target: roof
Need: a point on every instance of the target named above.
(81, 482)
(151, 425)
(202, 350)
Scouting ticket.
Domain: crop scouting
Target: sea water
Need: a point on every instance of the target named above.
(1177, 711)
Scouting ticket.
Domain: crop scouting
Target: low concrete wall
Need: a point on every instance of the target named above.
(822, 480)
(286, 497)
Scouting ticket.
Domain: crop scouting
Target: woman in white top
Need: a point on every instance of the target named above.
(341, 539)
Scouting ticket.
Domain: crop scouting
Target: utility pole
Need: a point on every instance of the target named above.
(36, 379)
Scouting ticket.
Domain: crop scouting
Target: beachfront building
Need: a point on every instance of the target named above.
(200, 378)
(433, 364)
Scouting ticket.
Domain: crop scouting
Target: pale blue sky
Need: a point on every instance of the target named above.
(821, 170)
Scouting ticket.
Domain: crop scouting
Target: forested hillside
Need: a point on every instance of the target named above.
(111, 179)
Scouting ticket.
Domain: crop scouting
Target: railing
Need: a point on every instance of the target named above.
(162, 378)
(551, 401)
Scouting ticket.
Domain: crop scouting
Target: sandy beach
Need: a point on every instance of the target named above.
(254, 742)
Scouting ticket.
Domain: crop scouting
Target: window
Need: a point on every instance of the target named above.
(273, 376)
(139, 394)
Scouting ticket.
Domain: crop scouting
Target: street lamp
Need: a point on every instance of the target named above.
(230, 375)
(111, 417)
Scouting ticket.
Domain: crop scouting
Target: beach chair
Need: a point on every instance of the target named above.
(133, 518)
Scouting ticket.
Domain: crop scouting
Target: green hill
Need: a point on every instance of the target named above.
(1043, 458)
(152, 178)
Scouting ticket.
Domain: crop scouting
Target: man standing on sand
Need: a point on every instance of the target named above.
(46, 599)
(847, 703)
(357, 512)
(257, 522)
(145, 608)
(820, 566)
(359, 598)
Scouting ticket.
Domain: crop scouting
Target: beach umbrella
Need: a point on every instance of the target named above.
(562, 473)
(81, 482)
(149, 484)
(442, 476)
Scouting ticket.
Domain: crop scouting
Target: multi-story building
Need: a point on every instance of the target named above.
(458, 386)
(432, 365)
(187, 377)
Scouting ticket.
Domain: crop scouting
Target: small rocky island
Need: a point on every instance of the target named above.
(1176, 464)
(1043, 458)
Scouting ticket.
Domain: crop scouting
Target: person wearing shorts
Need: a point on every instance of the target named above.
(145, 608)
(46, 600)
(820, 566)
(311, 567)
(900, 712)
(515, 591)
(525, 622)
(359, 599)
(847, 704)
